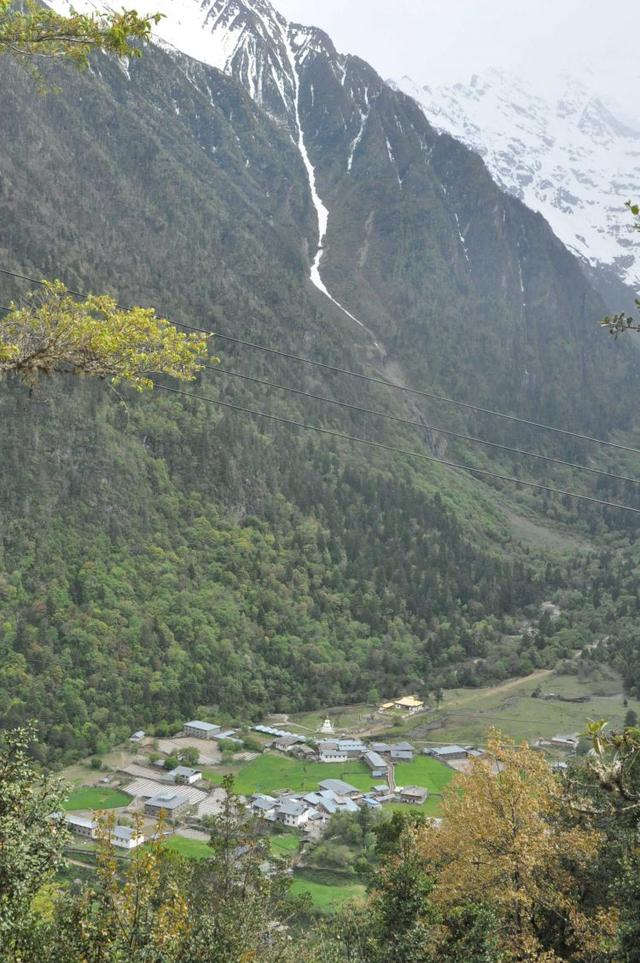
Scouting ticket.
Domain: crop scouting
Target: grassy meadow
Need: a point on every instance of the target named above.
(95, 797)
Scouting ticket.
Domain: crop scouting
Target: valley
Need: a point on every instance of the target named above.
(319, 516)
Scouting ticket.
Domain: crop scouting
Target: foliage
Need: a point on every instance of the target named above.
(31, 840)
(54, 332)
(141, 913)
(619, 323)
(31, 31)
(505, 841)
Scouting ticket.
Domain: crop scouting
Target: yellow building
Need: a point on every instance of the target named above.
(408, 704)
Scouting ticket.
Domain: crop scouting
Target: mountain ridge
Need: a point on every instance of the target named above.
(158, 553)
(558, 155)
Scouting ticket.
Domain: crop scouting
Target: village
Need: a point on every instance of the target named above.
(286, 778)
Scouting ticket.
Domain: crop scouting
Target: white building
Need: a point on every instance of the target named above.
(332, 755)
(184, 775)
(200, 730)
(292, 812)
(126, 837)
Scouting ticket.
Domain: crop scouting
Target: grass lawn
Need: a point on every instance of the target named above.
(326, 896)
(191, 848)
(272, 771)
(468, 714)
(425, 772)
(432, 806)
(285, 844)
(94, 797)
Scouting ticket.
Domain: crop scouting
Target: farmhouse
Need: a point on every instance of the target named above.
(412, 794)
(171, 803)
(351, 748)
(447, 753)
(200, 730)
(332, 755)
(184, 775)
(81, 825)
(126, 837)
(264, 806)
(339, 787)
(376, 763)
(402, 752)
(286, 743)
(292, 812)
(380, 747)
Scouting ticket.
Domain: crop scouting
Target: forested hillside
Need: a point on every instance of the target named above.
(158, 553)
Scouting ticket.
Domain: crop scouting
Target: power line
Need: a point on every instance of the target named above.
(381, 381)
(401, 451)
(419, 424)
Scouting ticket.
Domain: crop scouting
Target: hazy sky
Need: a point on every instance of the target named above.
(440, 41)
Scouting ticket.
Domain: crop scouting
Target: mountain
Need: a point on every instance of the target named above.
(163, 552)
(569, 157)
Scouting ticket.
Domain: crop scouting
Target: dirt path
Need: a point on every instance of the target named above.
(477, 694)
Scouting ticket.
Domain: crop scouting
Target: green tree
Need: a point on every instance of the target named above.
(31, 32)
(54, 332)
(619, 323)
(31, 841)
(239, 906)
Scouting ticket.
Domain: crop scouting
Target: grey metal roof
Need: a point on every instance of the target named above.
(448, 750)
(264, 802)
(402, 754)
(380, 747)
(185, 771)
(291, 807)
(124, 832)
(374, 760)
(338, 786)
(83, 821)
(403, 745)
(203, 726)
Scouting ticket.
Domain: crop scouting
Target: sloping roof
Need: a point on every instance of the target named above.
(402, 754)
(448, 750)
(291, 807)
(409, 702)
(374, 760)
(380, 747)
(338, 786)
(403, 745)
(417, 791)
(125, 832)
(263, 802)
(83, 821)
(203, 726)
(185, 771)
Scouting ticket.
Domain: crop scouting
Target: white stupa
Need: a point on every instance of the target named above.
(326, 726)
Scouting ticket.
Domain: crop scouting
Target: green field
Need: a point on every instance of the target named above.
(191, 848)
(468, 714)
(94, 797)
(270, 772)
(327, 897)
(423, 771)
(285, 844)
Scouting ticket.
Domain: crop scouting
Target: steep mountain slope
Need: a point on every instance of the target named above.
(159, 553)
(573, 159)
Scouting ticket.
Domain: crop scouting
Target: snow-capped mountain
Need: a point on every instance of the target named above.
(570, 158)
